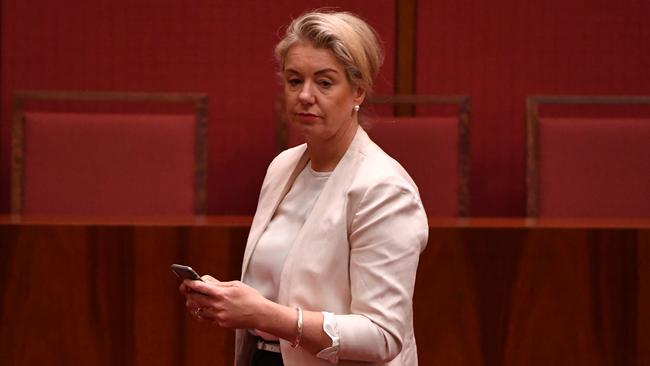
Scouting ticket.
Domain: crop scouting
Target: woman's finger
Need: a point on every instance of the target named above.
(197, 300)
(209, 279)
(183, 288)
(204, 288)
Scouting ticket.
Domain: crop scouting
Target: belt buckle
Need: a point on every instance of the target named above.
(268, 346)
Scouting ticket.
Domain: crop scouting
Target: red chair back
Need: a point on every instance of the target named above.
(593, 167)
(427, 147)
(108, 164)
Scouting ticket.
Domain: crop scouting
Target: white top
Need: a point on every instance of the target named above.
(274, 244)
(271, 251)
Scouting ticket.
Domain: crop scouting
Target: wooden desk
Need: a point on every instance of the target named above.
(489, 291)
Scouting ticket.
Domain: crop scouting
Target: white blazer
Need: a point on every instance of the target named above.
(356, 255)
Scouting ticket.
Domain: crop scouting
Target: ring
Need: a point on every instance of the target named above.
(198, 311)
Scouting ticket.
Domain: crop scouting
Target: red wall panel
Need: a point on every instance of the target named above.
(222, 48)
(496, 52)
(500, 52)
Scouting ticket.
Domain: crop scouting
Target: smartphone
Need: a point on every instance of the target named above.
(185, 272)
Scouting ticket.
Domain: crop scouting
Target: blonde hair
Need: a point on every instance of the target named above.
(353, 42)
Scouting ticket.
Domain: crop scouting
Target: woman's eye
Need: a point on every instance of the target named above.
(293, 82)
(325, 83)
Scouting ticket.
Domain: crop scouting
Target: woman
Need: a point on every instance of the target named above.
(329, 267)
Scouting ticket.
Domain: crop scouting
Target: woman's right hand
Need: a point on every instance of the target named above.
(229, 304)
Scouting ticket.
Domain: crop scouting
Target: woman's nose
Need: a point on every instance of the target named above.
(306, 95)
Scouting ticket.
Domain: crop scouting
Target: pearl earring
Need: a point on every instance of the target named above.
(356, 108)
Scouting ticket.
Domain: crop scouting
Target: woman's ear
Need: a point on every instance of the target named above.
(359, 95)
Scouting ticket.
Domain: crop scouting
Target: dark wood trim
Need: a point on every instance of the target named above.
(20, 98)
(590, 99)
(91, 96)
(201, 155)
(532, 133)
(2, 52)
(463, 156)
(413, 99)
(244, 222)
(17, 149)
(532, 120)
(464, 106)
(405, 56)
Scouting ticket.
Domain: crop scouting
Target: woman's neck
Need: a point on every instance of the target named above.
(325, 155)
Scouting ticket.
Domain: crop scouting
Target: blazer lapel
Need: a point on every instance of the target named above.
(339, 181)
(266, 209)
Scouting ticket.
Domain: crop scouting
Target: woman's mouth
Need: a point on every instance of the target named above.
(307, 117)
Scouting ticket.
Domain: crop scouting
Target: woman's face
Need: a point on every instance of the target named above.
(319, 98)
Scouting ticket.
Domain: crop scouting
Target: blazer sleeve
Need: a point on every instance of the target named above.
(388, 232)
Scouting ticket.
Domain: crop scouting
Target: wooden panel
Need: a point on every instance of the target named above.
(533, 296)
(643, 319)
(104, 295)
(447, 321)
(405, 53)
(489, 292)
(67, 297)
(156, 310)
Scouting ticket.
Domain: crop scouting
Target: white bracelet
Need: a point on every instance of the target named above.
(296, 342)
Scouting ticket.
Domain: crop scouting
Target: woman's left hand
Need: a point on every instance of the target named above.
(229, 304)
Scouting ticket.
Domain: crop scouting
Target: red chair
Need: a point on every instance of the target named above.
(586, 166)
(70, 159)
(429, 136)
(432, 147)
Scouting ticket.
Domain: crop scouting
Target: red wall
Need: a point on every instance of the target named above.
(501, 51)
(496, 52)
(223, 48)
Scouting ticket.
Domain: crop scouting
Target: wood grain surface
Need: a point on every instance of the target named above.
(488, 292)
